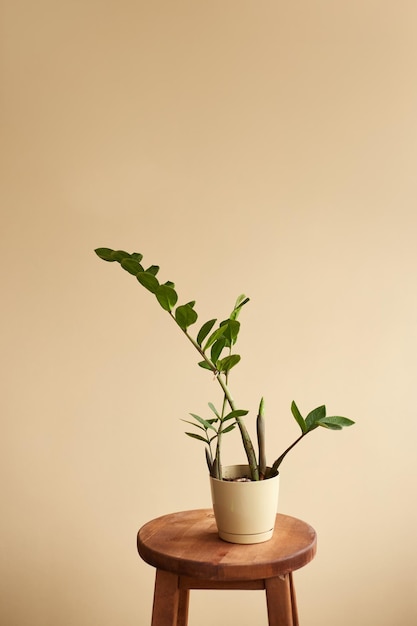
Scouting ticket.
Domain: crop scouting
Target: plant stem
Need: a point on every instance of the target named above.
(260, 431)
(279, 460)
(246, 440)
(217, 466)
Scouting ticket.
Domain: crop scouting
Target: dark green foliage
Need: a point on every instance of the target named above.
(149, 281)
(299, 418)
(132, 266)
(215, 346)
(226, 364)
(204, 331)
(166, 296)
(316, 417)
(185, 315)
(216, 425)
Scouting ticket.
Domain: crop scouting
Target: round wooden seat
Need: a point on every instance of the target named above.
(186, 550)
(187, 543)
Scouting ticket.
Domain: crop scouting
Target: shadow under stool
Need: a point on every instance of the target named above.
(187, 553)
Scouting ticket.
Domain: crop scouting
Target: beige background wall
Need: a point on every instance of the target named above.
(260, 147)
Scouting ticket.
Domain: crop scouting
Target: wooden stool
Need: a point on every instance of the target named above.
(188, 554)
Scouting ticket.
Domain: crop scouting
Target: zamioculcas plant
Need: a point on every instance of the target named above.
(215, 345)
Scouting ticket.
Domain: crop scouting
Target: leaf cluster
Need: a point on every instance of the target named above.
(215, 346)
(318, 417)
(185, 315)
(211, 429)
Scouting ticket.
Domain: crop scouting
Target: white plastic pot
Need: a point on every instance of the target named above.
(245, 512)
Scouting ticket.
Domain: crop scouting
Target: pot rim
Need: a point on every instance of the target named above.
(242, 467)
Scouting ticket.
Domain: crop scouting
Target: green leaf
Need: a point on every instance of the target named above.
(167, 297)
(231, 332)
(216, 349)
(228, 428)
(335, 422)
(210, 421)
(213, 408)
(234, 414)
(185, 316)
(169, 284)
(153, 269)
(226, 364)
(219, 332)
(148, 281)
(204, 331)
(132, 266)
(314, 416)
(105, 253)
(108, 254)
(206, 423)
(329, 426)
(194, 424)
(205, 365)
(195, 436)
(119, 255)
(298, 417)
(240, 302)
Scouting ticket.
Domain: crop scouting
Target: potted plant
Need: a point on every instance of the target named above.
(237, 520)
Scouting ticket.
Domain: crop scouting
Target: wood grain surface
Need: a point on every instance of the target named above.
(187, 544)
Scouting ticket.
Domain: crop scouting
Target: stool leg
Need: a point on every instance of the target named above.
(279, 601)
(183, 607)
(166, 599)
(293, 602)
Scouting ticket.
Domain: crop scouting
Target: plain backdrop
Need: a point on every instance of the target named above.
(258, 147)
